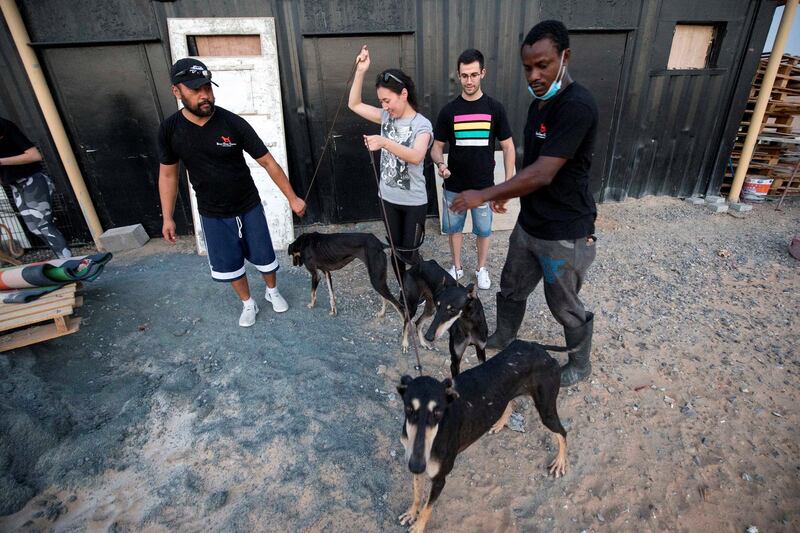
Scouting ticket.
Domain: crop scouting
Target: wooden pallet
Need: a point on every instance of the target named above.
(43, 319)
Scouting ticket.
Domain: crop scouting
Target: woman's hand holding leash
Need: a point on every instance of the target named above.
(374, 142)
(362, 60)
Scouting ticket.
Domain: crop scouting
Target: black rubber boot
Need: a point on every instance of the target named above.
(509, 317)
(579, 340)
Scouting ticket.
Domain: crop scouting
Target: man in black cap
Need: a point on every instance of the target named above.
(210, 141)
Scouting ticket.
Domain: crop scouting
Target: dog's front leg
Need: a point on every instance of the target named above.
(410, 516)
(501, 423)
(406, 327)
(559, 465)
(421, 334)
(314, 285)
(330, 292)
(425, 514)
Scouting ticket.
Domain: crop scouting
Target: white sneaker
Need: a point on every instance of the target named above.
(279, 304)
(456, 274)
(483, 278)
(248, 316)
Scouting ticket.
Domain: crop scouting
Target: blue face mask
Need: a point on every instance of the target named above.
(555, 86)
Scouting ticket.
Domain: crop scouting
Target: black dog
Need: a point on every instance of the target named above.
(459, 311)
(443, 418)
(454, 308)
(327, 252)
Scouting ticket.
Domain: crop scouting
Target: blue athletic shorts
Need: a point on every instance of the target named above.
(232, 240)
(454, 222)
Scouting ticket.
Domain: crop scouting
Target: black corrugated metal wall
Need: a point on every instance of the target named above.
(663, 132)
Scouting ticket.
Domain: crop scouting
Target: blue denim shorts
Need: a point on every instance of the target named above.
(454, 222)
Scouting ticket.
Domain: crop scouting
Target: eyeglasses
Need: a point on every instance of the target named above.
(387, 75)
(205, 73)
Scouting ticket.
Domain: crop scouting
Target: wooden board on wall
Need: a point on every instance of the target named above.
(228, 45)
(690, 46)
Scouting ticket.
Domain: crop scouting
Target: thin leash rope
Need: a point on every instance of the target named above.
(411, 325)
(330, 131)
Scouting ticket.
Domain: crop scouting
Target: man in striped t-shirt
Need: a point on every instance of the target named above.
(470, 124)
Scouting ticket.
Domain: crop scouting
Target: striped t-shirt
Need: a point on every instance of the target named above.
(470, 129)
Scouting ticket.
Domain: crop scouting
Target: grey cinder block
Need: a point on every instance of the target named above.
(710, 200)
(124, 238)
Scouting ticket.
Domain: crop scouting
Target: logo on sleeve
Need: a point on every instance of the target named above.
(226, 142)
(542, 133)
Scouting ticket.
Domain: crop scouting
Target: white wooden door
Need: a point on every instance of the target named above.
(249, 85)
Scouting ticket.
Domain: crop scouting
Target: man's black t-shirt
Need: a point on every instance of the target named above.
(14, 142)
(564, 127)
(213, 155)
(471, 127)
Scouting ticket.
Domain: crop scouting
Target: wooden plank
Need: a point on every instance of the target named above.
(47, 299)
(690, 46)
(35, 310)
(25, 337)
(40, 305)
(34, 318)
(67, 290)
(228, 45)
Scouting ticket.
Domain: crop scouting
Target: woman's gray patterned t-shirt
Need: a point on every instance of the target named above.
(401, 182)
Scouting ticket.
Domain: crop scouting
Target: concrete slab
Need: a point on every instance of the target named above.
(123, 238)
(710, 200)
(741, 208)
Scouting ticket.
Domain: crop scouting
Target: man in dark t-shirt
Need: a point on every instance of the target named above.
(554, 236)
(21, 169)
(211, 141)
(470, 124)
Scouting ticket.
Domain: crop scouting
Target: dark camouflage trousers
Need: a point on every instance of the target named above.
(33, 196)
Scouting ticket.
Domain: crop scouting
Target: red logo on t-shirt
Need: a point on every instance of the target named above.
(542, 133)
(226, 142)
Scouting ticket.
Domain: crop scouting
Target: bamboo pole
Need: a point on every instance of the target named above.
(763, 99)
(34, 70)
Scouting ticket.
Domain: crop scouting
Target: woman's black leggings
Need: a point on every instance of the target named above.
(406, 226)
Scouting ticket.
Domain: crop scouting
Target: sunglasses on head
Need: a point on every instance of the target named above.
(388, 75)
(205, 73)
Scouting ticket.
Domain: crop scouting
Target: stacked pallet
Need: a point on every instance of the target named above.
(42, 319)
(777, 152)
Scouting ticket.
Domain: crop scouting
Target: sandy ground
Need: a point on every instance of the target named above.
(161, 414)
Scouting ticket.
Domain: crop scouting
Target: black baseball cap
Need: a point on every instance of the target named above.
(190, 72)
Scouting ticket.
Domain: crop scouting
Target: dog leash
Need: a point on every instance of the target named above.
(330, 131)
(411, 324)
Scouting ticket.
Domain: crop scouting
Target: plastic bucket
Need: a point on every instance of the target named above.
(755, 188)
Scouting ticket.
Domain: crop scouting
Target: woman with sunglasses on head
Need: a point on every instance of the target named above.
(405, 138)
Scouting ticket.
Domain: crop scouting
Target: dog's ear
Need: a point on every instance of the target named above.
(403, 386)
(450, 390)
(473, 292)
